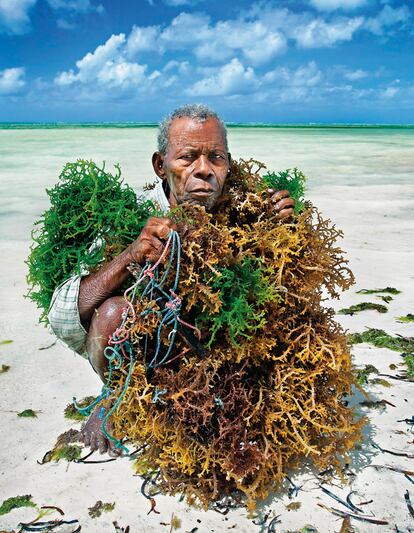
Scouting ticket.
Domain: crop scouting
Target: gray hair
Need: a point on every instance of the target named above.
(197, 112)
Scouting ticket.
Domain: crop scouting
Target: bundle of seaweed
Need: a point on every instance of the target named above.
(269, 389)
(93, 216)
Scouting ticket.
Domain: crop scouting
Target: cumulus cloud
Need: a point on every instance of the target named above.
(14, 16)
(12, 81)
(143, 39)
(178, 3)
(331, 5)
(220, 41)
(304, 76)
(355, 75)
(387, 18)
(319, 34)
(107, 68)
(77, 6)
(232, 78)
(389, 93)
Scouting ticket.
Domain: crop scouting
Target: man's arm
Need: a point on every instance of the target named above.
(99, 286)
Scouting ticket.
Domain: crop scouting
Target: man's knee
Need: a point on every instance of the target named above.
(107, 317)
(105, 320)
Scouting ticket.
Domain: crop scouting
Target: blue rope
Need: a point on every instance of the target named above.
(170, 314)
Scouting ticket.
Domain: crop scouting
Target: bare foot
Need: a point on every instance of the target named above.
(91, 435)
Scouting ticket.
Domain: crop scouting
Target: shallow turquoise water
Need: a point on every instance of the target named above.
(332, 157)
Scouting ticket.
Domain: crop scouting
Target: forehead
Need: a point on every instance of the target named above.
(185, 131)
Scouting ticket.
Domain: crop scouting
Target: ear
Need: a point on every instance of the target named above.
(158, 164)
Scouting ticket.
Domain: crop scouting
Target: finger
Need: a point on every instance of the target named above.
(278, 195)
(94, 442)
(286, 203)
(113, 451)
(85, 438)
(102, 444)
(285, 213)
(161, 227)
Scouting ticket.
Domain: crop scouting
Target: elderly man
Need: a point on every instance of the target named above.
(192, 163)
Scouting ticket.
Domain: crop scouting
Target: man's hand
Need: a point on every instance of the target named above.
(150, 244)
(282, 202)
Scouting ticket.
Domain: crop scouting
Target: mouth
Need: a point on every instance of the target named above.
(201, 192)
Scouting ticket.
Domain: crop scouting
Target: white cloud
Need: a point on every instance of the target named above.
(232, 78)
(355, 75)
(389, 93)
(331, 5)
(12, 80)
(14, 15)
(107, 68)
(77, 6)
(143, 39)
(176, 3)
(304, 76)
(388, 17)
(215, 43)
(320, 34)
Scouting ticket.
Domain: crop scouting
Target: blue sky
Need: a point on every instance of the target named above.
(264, 61)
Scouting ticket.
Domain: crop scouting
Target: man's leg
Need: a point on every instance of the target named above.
(104, 322)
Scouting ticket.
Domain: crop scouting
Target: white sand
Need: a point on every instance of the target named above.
(378, 230)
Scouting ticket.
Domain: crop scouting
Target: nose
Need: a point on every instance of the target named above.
(202, 168)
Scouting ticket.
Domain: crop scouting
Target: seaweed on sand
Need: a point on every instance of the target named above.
(364, 306)
(381, 339)
(16, 502)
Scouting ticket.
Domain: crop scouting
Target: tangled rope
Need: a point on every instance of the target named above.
(119, 351)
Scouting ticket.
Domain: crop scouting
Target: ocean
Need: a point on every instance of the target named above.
(334, 157)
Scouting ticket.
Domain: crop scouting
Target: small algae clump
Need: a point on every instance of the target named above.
(364, 306)
(96, 510)
(409, 361)
(4, 369)
(15, 502)
(387, 290)
(363, 373)
(27, 413)
(381, 339)
(72, 413)
(6, 341)
(406, 318)
(67, 452)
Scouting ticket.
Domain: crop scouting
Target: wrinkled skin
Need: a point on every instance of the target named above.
(194, 170)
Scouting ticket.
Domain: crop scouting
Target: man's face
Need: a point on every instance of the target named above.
(196, 163)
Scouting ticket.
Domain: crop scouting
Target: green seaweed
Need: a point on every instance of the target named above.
(88, 206)
(409, 361)
(16, 502)
(363, 373)
(243, 292)
(380, 381)
(386, 299)
(381, 339)
(363, 306)
(388, 290)
(67, 452)
(96, 510)
(72, 413)
(7, 341)
(27, 413)
(291, 180)
(4, 369)
(406, 318)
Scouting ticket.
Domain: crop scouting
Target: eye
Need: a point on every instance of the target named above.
(216, 157)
